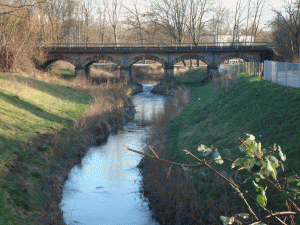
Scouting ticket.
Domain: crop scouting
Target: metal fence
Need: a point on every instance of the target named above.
(254, 68)
(287, 74)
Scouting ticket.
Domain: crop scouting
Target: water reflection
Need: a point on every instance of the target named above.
(105, 188)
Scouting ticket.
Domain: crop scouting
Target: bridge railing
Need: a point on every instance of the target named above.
(156, 45)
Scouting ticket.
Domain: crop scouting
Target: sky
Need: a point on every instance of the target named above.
(230, 4)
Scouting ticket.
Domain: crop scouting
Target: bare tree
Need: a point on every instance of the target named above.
(286, 31)
(258, 9)
(102, 24)
(87, 18)
(219, 19)
(172, 16)
(196, 18)
(135, 19)
(238, 19)
(113, 9)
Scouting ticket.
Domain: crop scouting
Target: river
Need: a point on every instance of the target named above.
(105, 188)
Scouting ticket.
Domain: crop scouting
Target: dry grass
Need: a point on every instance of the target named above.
(173, 197)
(96, 72)
(62, 65)
(225, 81)
(148, 74)
(178, 71)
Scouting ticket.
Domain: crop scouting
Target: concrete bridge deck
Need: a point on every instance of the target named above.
(82, 55)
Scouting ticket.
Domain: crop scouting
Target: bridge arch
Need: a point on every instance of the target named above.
(57, 58)
(249, 57)
(136, 58)
(95, 58)
(202, 57)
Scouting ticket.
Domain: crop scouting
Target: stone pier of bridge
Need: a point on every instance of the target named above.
(125, 71)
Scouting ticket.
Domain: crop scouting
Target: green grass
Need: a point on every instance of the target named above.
(64, 73)
(267, 110)
(195, 75)
(28, 108)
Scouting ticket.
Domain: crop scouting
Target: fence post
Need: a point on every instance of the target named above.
(285, 67)
(298, 75)
(276, 72)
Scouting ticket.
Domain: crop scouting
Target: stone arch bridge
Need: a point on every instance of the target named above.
(125, 55)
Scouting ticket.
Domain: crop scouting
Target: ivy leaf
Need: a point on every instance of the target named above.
(204, 150)
(282, 156)
(227, 220)
(217, 157)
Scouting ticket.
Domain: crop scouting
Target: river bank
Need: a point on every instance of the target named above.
(35, 166)
(216, 115)
(106, 187)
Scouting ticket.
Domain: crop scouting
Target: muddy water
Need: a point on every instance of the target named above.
(105, 188)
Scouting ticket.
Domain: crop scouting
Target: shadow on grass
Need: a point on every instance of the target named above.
(56, 90)
(16, 101)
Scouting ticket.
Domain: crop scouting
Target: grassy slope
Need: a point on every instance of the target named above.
(267, 110)
(27, 108)
(192, 76)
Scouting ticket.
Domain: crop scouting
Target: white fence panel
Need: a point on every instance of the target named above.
(268, 70)
(287, 74)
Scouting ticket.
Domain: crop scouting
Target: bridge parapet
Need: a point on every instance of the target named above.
(157, 45)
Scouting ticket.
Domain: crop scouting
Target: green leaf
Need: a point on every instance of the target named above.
(227, 220)
(250, 137)
(217, 157)
(258, 177)
(249, 163)
(282, 156)
(242, 148)
(274, 161)
(274, 148)
(262, 200)
(271, 169)
(237, 162)
(294, 182)
(260, 152)
(282, 166)
(243, 215)
(258, 188)
(204, 150)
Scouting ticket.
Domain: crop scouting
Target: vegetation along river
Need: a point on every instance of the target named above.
(105, 188)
